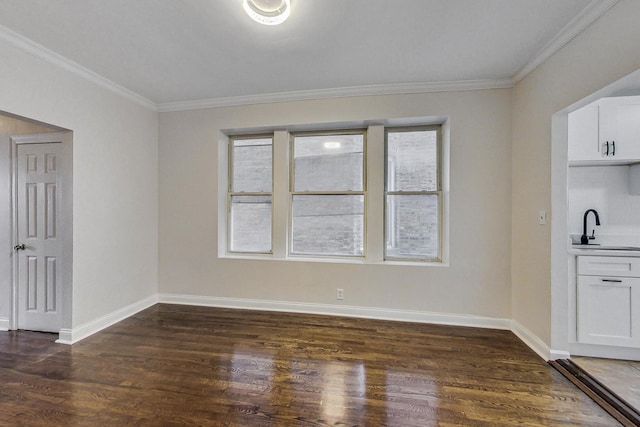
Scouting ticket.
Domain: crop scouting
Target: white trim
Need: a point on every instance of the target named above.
(339, 310)
(72, 336)
(559, 354)
(68, 336)
(65, 336)
(305, 258)
(605, 351)
(579, 23)
(39, 138)
(35, 49)
(532, 340)
(586, 17)
(4, 324)
(306, 95)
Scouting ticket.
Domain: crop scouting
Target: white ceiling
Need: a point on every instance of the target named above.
(172, 51)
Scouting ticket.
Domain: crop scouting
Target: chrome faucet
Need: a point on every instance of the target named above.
(584, 239)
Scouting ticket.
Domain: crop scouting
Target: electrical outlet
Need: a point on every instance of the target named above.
(339, 293)
(542, 217)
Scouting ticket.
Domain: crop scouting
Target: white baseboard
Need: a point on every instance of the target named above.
(4, 324)
(339, 310)
(65, 336)
(559, 354)
(71, 336)
(605, 351)
(531, 340)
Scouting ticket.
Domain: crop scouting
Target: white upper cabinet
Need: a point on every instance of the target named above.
(620, 127)
(606, 132)
(584, 144)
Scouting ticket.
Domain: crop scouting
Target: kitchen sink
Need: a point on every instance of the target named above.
(607, 248)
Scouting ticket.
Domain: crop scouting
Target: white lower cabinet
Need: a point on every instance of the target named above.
(608, 306)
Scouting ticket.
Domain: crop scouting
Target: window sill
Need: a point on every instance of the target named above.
(358, 261)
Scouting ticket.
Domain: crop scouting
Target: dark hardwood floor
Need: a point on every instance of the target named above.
(176, 365)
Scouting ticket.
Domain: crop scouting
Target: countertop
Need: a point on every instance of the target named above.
(604, 251)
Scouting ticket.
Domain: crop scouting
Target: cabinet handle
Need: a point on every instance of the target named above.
(613, 148)
(606, 154)
(612, 280)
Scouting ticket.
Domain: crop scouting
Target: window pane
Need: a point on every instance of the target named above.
(328, 163)
(412, 226)
(251, 165)
(412, 161)
(250, 225)
(328, 225)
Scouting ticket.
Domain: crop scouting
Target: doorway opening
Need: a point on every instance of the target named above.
(35, 225)
(565, 337)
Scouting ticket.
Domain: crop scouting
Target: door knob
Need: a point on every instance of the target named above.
(21, 247)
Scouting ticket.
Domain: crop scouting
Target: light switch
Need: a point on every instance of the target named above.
(542, 217)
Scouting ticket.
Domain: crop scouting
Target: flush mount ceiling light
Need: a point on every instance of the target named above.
(267, 12)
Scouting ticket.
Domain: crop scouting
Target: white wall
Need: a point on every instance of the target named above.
(605, 52)
(477, 280)
(114, 179)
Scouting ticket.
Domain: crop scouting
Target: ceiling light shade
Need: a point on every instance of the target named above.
(267, 12)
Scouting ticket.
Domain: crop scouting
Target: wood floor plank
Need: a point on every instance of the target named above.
(184, 365)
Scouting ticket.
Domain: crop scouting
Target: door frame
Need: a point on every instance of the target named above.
(66, 225)
(563, 293)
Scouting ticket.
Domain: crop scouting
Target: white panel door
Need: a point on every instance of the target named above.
(39, 248)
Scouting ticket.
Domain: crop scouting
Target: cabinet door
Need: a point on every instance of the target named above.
(620, 128)
(583, 135)
(609, 310)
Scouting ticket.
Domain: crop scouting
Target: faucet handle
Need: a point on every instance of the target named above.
(593, 235)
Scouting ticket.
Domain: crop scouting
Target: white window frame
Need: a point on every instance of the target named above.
(231, 193)
(374, 164)
(293, 192)
(437, 192)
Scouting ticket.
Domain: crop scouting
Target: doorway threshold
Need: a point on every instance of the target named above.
(617, 407)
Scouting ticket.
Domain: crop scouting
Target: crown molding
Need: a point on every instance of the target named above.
(48, 55)
(52, 57)
(586, 17)
(578, 24)
(306, 95)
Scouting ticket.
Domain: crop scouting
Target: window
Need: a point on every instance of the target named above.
(361, 195)
(250, 194)
(328, 194)
(413, 194)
